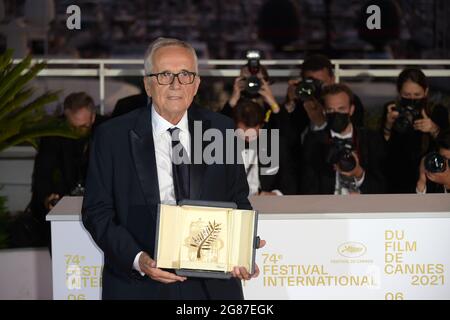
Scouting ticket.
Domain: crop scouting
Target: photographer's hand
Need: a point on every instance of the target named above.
(442, 178)
(422, 182)
(315, 112)
(291, 96)
(357, 172)
(391, 116)
(426, 125)
(238, 86)
(268, 97)
(48, 202)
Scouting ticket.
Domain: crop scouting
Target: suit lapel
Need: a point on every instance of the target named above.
(196, 170)
(143, 151)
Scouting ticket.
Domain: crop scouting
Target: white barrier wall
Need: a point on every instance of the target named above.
(318, 247)
(25, 274)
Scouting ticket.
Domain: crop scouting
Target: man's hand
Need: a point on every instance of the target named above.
(267, 193)
(49, 201)
(391, 116)
(315, 112)
(242, 273)
(422, 181)
(442, 178)
(291, 95)
(148, 266)
(426, 125)
(268, 97)
(238, 86)
(357, 172)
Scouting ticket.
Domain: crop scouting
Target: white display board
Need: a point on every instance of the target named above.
(358, 256)
(353, 259)
(77, 262)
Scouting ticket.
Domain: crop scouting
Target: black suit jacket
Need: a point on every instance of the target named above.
(129, 103)
(319, 177)
(405, 151)
(122, 195)
(60, 164)
(283, 179)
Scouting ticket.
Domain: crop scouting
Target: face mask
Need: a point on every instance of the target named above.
(338, 121)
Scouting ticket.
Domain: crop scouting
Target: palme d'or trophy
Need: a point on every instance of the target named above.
(205, 239)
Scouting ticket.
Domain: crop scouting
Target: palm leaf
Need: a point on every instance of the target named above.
(37, 104)
(22, 121)
(206, 237)
(19, 84)
(10, 77)
(6, 59)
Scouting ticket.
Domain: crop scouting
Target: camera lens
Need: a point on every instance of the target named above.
(347, 161)
(435, 163)
(402, 124)
(308, 88)
(253, 85)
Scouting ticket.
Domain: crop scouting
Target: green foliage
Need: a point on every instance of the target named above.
(21, 120)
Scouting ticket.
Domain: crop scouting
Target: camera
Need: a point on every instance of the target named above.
(309, 88)
(409, 111)
(341, 154)
(253, 83)
(435, 163)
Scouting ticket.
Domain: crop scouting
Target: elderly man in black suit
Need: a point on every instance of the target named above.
(130, 172)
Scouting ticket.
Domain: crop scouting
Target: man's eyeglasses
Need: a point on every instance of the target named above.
(165, 78)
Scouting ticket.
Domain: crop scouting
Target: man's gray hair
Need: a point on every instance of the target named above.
(165, 42)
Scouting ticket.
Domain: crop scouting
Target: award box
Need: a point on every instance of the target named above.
(205, 239)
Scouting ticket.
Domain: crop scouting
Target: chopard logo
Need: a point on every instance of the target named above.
(352, 249)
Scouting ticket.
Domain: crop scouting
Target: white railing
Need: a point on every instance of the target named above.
(103, 68)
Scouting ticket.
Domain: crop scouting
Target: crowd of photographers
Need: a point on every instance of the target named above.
(324, 146)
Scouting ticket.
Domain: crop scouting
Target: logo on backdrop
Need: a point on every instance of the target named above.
(352, 249)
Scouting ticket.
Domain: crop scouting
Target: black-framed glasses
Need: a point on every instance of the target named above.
(166, 77)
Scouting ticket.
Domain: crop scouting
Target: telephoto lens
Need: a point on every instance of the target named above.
(435, 163)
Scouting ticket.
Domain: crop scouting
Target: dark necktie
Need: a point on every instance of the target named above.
(180, 166)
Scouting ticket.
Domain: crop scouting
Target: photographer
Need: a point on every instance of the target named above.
(253, 84)
(434, 176)
(61, 163)
(303, 96)
(303, 110)
(342, 158)
(274, 177)
(410, 125)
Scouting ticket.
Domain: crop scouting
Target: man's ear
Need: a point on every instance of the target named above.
(352, 109)
(147, 85)
(197, 84)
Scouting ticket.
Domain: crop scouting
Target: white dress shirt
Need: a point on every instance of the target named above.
(250, 159)
(338, 189)
(163, 153)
